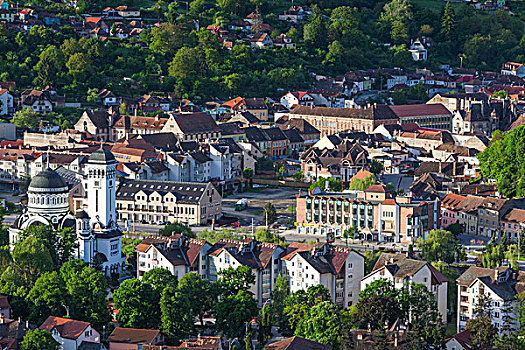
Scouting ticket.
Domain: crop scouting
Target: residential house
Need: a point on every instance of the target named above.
(6, 102)
(127, 125)
(402, 270)
(293, 98)
(434, 116)
(499, 286)
(133, 338)
(295, 142)
(277, 145)
(295, 14)
(152, 170)
(284, 41)
(12, 332)
(256, 106)
(261, 41)
(479, 216)
(193, 126)
(232, 130)
(459, 341)
(256, 136)
(70, 334)
(419, 48)
(262, 258)
(338, 269)
(244, 119)
(308, 133)
(168, 201)
(128, 11)
(513, 223)
(177, 254)
(449, 206)
(512, 68)
(97, 123)
(42, 101)
(426, 139)
(331, 121)
(107, 97)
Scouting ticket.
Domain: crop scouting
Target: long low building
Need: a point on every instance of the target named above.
(431, 115)
(168, 201)
(331, 121)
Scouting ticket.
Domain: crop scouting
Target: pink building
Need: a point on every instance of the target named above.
(448, 209)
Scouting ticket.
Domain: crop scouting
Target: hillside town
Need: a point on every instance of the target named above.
(240, 175)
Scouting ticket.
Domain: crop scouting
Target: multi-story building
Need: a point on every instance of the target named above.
(370, 212)
(434, 116)
(168, 201)
(449, 206)
(177, 254)
(513, 223)
(262, 258)
(338, 269)
(133, 125)
(401, 271)
(331, 121)
(499, 286)
(309, 134)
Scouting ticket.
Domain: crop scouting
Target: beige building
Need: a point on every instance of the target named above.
(168, 201)
(338, 269)
(401, 271)
(331, 121)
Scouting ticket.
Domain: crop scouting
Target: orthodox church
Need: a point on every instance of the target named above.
(98, 234)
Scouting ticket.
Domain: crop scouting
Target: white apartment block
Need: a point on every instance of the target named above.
(177, 254)
(339, 269)
(500, 285)
(262, 258)
(401, 271)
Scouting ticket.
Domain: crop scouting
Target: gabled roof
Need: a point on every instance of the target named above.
(431, 109)
(297, 343)
(67, 328)
(377, 112)
(463, 338)
(401, 267)
(133, 335)
(302, 125)
(257, 256)
(451, 201)
(293, 135)
(196, 123)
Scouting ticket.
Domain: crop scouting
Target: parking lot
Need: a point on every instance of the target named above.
(284, 200)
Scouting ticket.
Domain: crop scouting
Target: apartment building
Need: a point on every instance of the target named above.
(262, 258)
(500, 285)
(168, 201)
(177, 254)
(338, 269)
(432, 115)
(449, 206)
(482, 216)
(513, 223)
(376, 217)
(331, 121)
(401, 270)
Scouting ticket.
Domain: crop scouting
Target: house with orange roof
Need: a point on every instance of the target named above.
(71, 334)
(339, 269)
(293, 98)
(96, 22)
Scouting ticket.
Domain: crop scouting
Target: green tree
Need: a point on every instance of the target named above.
(37, 339)
(248, 341)
(440, 245)
(31, 259)
(188, 63)
(87, 290)
(234, 312)
(264, 235)
(327, 184)
(49, 65)
(48, 296)
(138, 304)
(270, 214)
(176, 228)
(264, 324)
(159, 279)
(298, 304)
(482, 333)
(26, 118)
(315, 31)
(376, 167)
(361, 185)
(61, 244)
(322, 323)
(298, 176)
(279, 294)
(176, 319)
(79, 65)
(201, 293)
(92, 96)
(233, 280)
(448, 22)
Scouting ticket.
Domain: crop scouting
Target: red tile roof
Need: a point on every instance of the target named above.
(431, 109)
(133, 335)
(67, 328)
